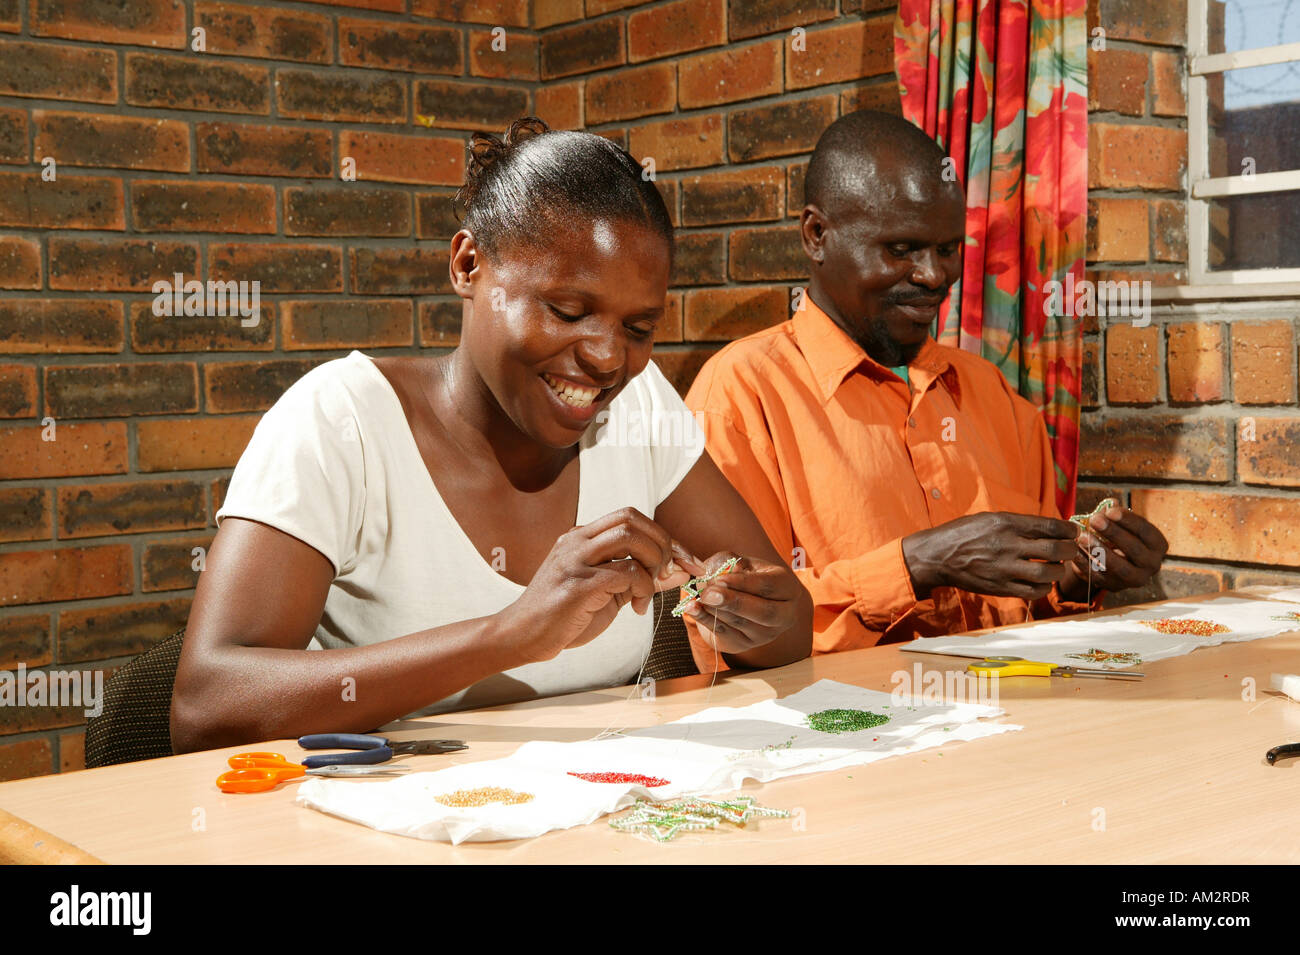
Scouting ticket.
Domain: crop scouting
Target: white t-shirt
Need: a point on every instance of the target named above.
(334, 464)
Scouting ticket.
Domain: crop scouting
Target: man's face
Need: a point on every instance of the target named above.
(559, 328)
(890, 258)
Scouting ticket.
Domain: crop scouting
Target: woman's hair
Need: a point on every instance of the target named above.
(539, 179)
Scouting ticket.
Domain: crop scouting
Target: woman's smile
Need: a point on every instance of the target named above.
(577, 401)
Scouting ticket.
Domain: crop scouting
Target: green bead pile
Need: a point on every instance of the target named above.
(844, 721)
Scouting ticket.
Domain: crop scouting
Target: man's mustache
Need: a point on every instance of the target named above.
(918, 298)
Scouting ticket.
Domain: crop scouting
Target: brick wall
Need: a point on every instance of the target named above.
(1192, 420)
(225, 164)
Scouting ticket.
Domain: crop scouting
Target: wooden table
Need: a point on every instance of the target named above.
(1170, 769)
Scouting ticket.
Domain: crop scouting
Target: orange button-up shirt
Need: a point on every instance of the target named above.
(840, 461)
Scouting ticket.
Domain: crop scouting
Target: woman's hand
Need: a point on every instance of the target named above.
(590, 573)
(748, 607)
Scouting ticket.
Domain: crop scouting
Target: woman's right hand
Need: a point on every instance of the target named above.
(590, 573)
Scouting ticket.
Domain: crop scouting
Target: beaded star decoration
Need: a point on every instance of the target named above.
(693, 586)
(844, 721)
(1085, 520)
(663, 821)
(1123, 658)
(1291, 616)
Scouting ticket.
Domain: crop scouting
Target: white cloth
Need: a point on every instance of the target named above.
(711, 752)
(334, 464)
(1054, 641)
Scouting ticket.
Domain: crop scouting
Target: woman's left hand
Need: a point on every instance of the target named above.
(749, 607)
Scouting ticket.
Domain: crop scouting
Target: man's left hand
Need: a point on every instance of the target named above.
(1124, 550)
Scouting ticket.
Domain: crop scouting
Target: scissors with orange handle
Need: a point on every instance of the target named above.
(259, 772)
(1019, 666)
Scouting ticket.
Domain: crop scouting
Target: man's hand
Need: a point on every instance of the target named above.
(1124, 550)
(1006, 555)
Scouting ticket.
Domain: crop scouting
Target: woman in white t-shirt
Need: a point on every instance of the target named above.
(470, 529)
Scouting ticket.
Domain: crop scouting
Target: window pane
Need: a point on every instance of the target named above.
(1254, 231)
(1247, 24)
(1253, 115)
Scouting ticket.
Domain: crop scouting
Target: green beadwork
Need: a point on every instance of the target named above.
(692, 586)
(844, 721)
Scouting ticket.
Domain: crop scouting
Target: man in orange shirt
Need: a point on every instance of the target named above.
(912, 487)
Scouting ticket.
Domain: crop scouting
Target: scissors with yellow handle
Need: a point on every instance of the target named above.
(259, 772)
(1019, 666)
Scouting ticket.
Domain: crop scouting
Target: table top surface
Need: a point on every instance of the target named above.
(1169, 769)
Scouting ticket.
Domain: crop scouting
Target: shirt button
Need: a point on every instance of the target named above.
(911, 422)
(934, 493)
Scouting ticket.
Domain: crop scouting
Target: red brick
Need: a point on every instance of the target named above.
(434, 216)
(785, 129)
(1263, 359)
(700, 258)
(186, 206)
(880, 94)
(597, 7)
(1195, 359)
(1117, 230)
(346, 324)
(1225, 526)
(1257, 578)
(414, 48)
(582, 48)
(670, 327)
(169, 564)
(440, 324)
(679, 143)
(668, 190)
(388, 157)
(13, 136)
(560, 105)
(120, 630)
(729, 313)
(346, 211)
(681, 365)
(735, 195)
(141, 22)
(388, 6)
(631, 92)
(468, 105)
(247, 30)
(250, 386)
(192, 444)
(25, 514)
(10, 16)
(70, 202)
(1170, 230)
(25, 759)
(264, 150)
(151, 334)
(1090, 376)
(189, 82)
(58, 72)
(773, 16)
(1145, 21)
(17, 391)
(1170, 582)
(767, 254)
(1266, 452)
(25, 640)
(1117, 81)
(70, 573)
(506, 56)
(512, 13)
(400, 271)
(60, 326)
(219, 488)
(108, 391)
(1157, 276)
(841, 54)
(1136, 157)
(136, 507)
(122, 142)
(279, 267)
(1132, 364)
(128, 265)
(20, 263)
(1168, 98)
(794, 193)
(676, 28)
(1140, 445)
(72, 752)
(727, 76)
(76, 449)
(547, 13)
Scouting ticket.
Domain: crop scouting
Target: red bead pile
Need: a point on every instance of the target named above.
(637, 778)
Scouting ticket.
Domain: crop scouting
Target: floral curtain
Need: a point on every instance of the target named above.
(1001, 85)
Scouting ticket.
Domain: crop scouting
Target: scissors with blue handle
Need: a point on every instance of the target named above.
(369, 749)
(1019, 666)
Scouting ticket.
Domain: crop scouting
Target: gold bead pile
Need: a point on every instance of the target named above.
(1187, 625)
(462, 798)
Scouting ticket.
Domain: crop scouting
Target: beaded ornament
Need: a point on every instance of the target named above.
(663, 821)
(692, 586)
(1123, 658)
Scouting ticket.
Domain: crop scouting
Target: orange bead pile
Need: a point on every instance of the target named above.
(1187, 625)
